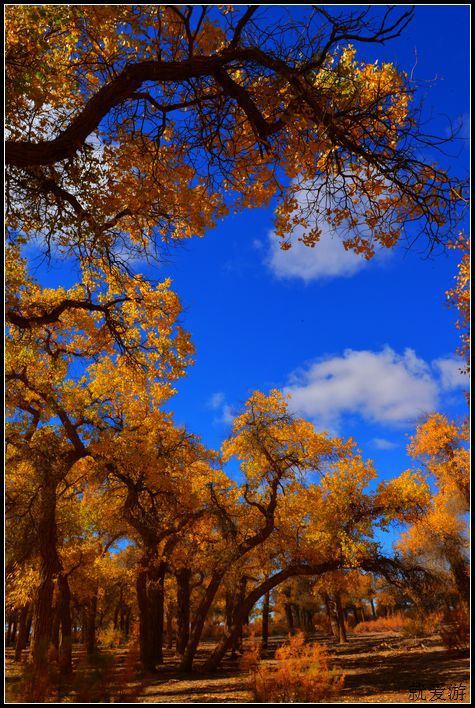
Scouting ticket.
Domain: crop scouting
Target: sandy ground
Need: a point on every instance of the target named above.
(378, 668)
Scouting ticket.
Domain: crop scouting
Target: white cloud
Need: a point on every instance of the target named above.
(327, 259)
(216, 400)
(450, 372)
(225, 412)
(383, 444)
(380, 387)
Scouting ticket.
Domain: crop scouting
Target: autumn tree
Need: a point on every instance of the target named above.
(65, 379)
(459, 296)
(130, 125)
(310, 528)
(159, 473)
(441, 533)
(130, 128)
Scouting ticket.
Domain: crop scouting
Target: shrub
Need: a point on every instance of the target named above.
(108, 637)
(301, 673)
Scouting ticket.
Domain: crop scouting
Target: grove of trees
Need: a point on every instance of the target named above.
(129, 128)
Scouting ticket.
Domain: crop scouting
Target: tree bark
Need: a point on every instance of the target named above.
(169, 618)
(200, 618)
(461, 574)
(289, 615)
(50, 566)
(156, 592)
(12, 628)
(183, 576)
(127, 623)
(145, 639)
(297, 617)
(64, 612)
(331, 616)
(265, 621)
(342, 638)
(91, 625)
(22, 636)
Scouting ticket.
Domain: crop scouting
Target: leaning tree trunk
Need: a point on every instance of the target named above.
(183, 576)
(186, 664)
(230, 636)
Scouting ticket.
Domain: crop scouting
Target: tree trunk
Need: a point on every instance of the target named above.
(373, 608)
(64, 613)
(289, 615)
(238, 599)
(50, 566)
(461, 573)
(265, 621)
(56, 624)
(83, 625)
(331, 616)
(297, 616)
(127, 623)
(22, 636)
(12, 628)
(200, 618)
(156, 593)
(308, 622)
(169, 616)
(183, 609)
(342, 638)
(91, 625)
(145, 638)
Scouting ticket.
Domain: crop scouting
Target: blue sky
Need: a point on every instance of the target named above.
(365, 351)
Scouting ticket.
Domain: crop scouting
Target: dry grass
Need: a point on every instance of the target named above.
(395, 623)
(416, 625)
(300, 673)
